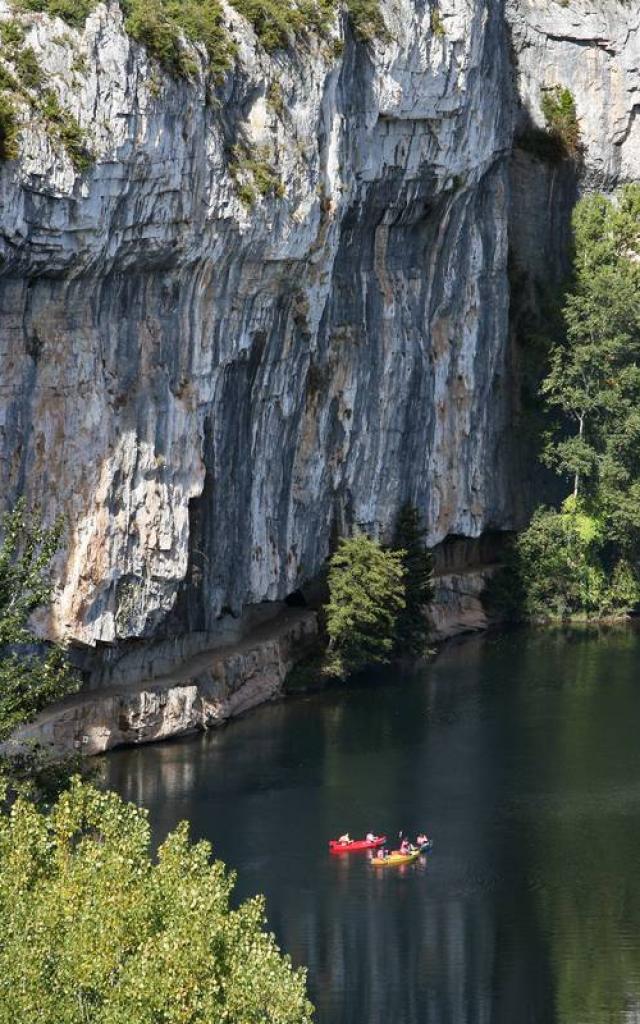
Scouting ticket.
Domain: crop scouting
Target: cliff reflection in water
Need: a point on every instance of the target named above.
(517, 753)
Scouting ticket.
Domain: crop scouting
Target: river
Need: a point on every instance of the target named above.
(519, 753)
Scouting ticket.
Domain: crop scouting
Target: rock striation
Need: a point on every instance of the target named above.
(208, 391)
(210, 384)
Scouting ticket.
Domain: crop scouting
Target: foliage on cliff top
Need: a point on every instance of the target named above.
(163, 26)
(22, 79)
(366, 594)
(93, 929)
(74, 12)
(159, 25)
(367, 20)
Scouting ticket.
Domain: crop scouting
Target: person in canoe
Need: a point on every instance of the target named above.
(422, 840)
(345, 839)
(371, 837)
(405, 846)
(382, 853)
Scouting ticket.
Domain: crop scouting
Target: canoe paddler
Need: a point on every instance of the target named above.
(371, 838)
(345, 839)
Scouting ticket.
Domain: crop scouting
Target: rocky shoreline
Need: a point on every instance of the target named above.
(212, 686)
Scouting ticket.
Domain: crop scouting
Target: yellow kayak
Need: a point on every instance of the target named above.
(394, 859)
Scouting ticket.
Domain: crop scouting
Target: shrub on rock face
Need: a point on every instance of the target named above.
(93, 930)
(559, 109)
(367, 592)
(9, 131)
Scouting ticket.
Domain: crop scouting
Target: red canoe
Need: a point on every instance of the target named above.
(356, 844)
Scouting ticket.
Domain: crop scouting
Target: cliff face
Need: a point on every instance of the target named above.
(593, 48)
(210, 383)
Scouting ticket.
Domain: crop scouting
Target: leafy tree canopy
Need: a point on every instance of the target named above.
(93, 931)
(585, 558)
(594, 378)
(558, 568)
(31, 675)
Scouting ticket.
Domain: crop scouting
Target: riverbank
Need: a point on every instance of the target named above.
(202, 692)
(165, 692)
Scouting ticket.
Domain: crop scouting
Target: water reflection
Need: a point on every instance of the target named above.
(518, 753)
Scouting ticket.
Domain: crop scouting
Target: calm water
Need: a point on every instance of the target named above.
(520, 754)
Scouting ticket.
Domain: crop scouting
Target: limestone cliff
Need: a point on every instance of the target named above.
(210, 382)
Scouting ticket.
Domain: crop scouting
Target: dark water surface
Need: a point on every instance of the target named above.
(520, 754)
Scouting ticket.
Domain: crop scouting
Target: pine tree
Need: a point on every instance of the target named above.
(411, 626)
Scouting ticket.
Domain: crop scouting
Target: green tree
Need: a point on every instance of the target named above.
(594, 379)
(558, 568)
(32, 675)
(93, 930)
(585, 558)
(366, 594)
(411, 633)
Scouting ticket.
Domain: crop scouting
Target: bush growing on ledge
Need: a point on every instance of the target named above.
(28, 68)
(11, 36)
(559, 110)
(62, 125)
(9, 130)
(254, 175)
(560, 139)
(95, 929)
(27, 81)
(366, 18)
(437, 24)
